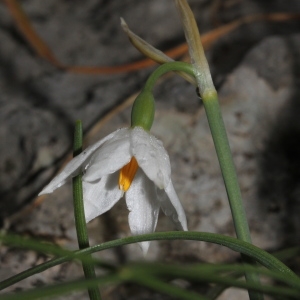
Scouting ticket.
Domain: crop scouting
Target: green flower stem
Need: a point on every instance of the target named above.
(142, 113)
(211, 104)
(210, 100)
(217, 127)
(215, 120)
(167, 67)
(80, 224)
(261, 256)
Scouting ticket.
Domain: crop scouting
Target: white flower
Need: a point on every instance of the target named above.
(129, 160)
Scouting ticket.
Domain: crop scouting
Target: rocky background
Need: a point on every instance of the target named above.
(256, 71)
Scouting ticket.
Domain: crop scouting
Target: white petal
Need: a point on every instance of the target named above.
(172, 207)
(110, 157)
(143, 205)
(78, 163)
(151, 156)
(100, 196)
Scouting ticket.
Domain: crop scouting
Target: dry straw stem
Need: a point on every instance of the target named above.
(198, 59)
(144, 47)
(151, 52)
(218, 131)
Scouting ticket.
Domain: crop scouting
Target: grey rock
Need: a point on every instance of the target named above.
(39, 105)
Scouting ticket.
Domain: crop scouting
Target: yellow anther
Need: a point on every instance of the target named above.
(127, 174)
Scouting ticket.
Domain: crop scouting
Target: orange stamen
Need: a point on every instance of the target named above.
(127, 174)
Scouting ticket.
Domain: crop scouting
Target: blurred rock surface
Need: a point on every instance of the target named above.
(39, 105)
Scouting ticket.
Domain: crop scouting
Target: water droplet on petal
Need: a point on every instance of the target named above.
(141, 160)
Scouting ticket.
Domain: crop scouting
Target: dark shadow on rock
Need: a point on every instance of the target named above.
(24, 188)
(230, 50)
(279, 178)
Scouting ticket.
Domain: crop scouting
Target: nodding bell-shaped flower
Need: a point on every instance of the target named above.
(130, 161)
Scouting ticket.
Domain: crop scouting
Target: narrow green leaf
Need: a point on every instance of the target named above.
(80, 224)
(261, 256)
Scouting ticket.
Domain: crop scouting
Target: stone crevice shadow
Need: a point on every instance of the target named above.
(279, 184)
(26, 117)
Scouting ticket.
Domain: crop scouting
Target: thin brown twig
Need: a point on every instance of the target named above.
(42, 49)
